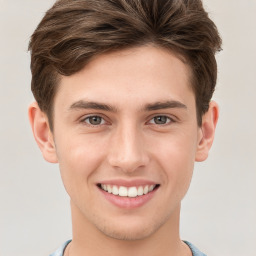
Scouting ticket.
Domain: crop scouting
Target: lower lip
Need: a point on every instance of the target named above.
(128, 202)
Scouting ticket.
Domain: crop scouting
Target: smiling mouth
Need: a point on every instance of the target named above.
(131, 192)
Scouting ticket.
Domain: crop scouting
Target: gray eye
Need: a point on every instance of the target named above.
(94, 120)
(161, 119)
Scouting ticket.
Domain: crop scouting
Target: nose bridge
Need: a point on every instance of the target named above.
(127, 150)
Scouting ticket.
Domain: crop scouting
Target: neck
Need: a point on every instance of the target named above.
(88, 240)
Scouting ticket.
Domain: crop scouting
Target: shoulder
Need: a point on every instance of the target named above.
(194, 250)
(61, 249)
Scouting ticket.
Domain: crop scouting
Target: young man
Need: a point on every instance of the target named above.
(123, 90)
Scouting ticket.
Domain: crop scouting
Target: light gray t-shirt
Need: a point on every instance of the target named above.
(195, 251)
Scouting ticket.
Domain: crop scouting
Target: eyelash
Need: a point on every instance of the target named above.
(168, 120)
(84, 120)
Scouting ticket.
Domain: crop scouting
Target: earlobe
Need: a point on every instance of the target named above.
(207, 132)
(42, 133)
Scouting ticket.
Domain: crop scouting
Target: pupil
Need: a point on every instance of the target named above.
(160, 119)
(95, 120)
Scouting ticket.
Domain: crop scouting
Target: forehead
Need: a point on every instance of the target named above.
(142, 74)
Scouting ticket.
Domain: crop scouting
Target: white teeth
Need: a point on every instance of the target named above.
(151, 188)
(145, 191)
(123, 191)
(132, 192)
(140, 191)
(109, 189)
(128, 192)
(115, 190)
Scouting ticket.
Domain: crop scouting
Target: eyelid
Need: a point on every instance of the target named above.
(83, 119)
(171, 119)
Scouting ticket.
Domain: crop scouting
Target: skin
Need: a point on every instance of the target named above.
(126, 141)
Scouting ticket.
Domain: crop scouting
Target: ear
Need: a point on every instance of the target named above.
(207, 131)
(42, 133)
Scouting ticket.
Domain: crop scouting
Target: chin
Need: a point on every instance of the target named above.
(126, 234)
(129, 231)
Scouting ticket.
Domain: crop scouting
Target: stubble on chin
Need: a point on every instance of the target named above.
(130, 233)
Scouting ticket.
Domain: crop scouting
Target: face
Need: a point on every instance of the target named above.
(126, 138)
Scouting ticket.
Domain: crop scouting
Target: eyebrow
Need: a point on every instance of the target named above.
(82, 104)
(165, 105)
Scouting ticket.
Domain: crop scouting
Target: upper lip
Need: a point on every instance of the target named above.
(128, 183)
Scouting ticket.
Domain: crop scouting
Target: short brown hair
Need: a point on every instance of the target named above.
(74, 31)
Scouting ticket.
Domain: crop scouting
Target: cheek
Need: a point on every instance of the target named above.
(78, 159)
(79, 151)
(175, 156)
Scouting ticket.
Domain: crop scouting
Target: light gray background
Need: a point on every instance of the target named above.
(219, 212)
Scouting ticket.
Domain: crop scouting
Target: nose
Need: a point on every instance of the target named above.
(127, 150)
